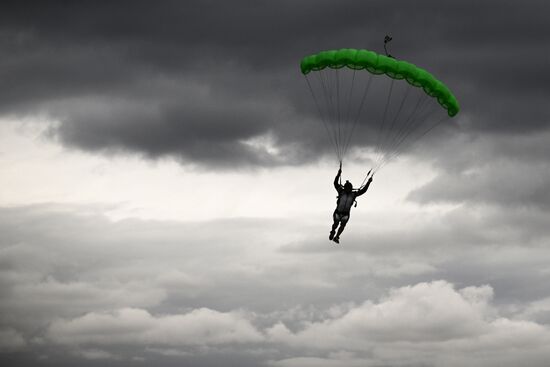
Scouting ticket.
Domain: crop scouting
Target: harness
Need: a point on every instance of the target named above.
(353, 203)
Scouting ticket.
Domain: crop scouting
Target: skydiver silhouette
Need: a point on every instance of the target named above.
(346, 198)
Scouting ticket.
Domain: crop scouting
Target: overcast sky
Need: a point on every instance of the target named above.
(166, 189)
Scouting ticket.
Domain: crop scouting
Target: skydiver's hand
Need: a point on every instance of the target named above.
(370, 179)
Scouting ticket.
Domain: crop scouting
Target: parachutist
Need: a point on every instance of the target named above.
(346, 198)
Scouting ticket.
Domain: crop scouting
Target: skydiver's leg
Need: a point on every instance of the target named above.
(335, 225)
(336, 220)
(343, 222)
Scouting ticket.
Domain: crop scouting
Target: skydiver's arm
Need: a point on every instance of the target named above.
(364, 188)
(337, 185)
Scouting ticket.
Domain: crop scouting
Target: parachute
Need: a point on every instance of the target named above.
(395, 100)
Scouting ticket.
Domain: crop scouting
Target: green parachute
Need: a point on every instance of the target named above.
(348, 87)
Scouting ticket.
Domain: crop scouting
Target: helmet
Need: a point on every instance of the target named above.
(348, 186)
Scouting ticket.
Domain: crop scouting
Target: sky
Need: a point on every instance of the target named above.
(166, 189)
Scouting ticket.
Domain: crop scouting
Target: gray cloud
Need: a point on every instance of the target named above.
(507, 171)
(467, 311)
(11, 340)
(97, 70)
(500, 184)
(135, 326)
(216, 85)
(76, 285)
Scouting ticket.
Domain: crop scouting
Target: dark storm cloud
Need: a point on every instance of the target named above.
(509, 171)
(507, 185)
(197, 80)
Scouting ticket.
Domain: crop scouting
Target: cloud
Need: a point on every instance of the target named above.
(538, 311)
(217, 86)
(424, 312)
(138, 327)
(51, 294)
(504, 184)
(64, 261)
(195, 81)
(11, 339)
(172, 352)
(333, 361)
(96, 354)
(506, 171)
(75, 281)
(428, 323)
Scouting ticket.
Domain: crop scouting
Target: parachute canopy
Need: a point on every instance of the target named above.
(380, 64)
(343, 79)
